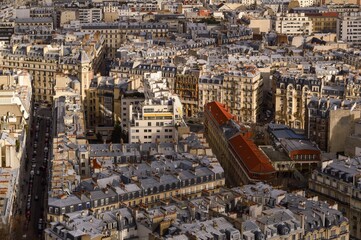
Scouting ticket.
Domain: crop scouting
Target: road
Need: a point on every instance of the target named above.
(33, 179)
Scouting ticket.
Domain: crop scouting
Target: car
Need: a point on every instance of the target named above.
(33, 165)
(46, 134)
(36, 197)
(40, 225)
(38, 172)
(32, 173)
(33, 160)
(46, 149)
(35, 145)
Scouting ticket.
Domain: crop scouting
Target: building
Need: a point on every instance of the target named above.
(116, 33)
(339, 180)
(243, 94)
(15, 113)
(158, 116)
(303, 154)
(353, 142)
(348, 27)
(6, 31)
(186, 87)
(292, 92)
(137, 174)
(238, 155)
(209, 90)
(44, 61)
(293, 24)
(325, 22)
(90, 15)
(331, 119)
(103, 104)
(112, 224)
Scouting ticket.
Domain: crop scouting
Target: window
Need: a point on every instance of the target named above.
(50, 209)
(149, 124)
(63, 210)
(56, 210)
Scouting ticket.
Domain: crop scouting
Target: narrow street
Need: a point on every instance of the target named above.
(33, 179)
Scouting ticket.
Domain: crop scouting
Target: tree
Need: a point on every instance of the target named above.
(118, 134)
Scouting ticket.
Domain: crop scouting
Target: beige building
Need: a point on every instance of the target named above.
(339, 180)
(292, 93)
(260, 25)
(293, 24)
(43, 62)
(67, 16)
(115, 34)
(242, 93)
(341, 125)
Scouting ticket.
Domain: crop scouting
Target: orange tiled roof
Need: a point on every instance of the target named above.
(96, 164)
(250, 155)
(219, 112)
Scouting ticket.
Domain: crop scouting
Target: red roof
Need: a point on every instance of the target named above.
(250, 155)
(219, 112)
(96, 164)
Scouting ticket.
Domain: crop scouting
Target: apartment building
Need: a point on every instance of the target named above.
(293, 24)
(243, 94)
(116, 33)
(90, 15)
(348, 27)
(186, 87)
(292, 93)
(238, 155)
(113, 224)
(129, 99)
(158, 116)
(331, 119)
(15, 110)
(103, 104)
(139, 174)
(6, 31)
(315, 219)
(209, 90)
(43, 62)
(69, 132)
(325, 22)
(339, 180)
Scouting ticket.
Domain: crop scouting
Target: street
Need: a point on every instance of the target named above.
(29, 219)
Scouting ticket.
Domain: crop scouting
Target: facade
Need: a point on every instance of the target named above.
(43, 62)
(158, 117)
(348, 27)
(116, 33)
(292, 93)
(186, 87)
(239, 156)
(15, 112)
(209, 90)
(340, 180)
(90, 15)
(103, 103)
(323, 22)
(242, 92)
(293, 24)
(330, 119)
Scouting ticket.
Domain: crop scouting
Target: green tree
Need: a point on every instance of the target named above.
(117, 133)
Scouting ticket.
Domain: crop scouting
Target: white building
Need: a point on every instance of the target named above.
(158, 116)
(349, 27)
(90, 15)
(293, 24)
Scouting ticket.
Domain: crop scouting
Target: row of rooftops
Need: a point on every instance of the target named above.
(261, 212)
(346, 170)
